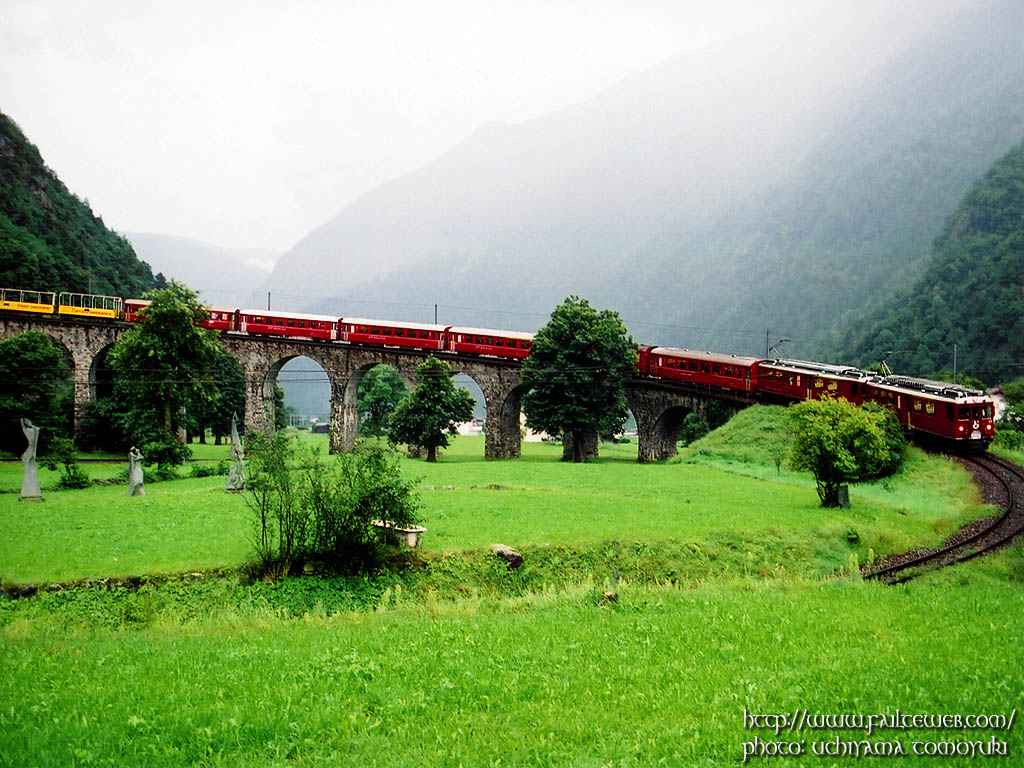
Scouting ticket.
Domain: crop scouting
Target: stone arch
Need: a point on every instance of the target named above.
(503, 393)
(100, 375)
(304, 379)
(262, 360)
(664, 433)
(352, 365)
(659, 414)
(350, 399)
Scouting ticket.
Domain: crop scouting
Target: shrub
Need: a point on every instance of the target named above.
(345, 498)
(62, 452)
(280, 523)
(838, 443)
(309, 508)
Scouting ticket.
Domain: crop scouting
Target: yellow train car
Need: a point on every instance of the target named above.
(17, 300)
(89, 305)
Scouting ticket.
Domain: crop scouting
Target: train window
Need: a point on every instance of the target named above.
(929, 408)
(818, 383)
(976, 412)
(832, 386)
(917, 404)
(986, 412)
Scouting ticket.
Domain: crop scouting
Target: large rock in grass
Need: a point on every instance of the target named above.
(511, 557)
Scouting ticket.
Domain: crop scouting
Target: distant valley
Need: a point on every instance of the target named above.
(222, 276)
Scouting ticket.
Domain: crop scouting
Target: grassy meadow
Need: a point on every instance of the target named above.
(656, 603)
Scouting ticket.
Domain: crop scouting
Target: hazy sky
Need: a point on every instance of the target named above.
(247, 124)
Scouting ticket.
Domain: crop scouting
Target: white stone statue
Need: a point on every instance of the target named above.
(30, 490)
(135, 475)
(236, 475)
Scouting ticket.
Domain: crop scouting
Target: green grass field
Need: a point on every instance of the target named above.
(728, 588)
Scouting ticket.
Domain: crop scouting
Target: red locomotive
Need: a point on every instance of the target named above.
(931, 410)
(935, 410)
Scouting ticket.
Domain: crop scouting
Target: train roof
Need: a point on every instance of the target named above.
(394, 324)
(714, 357)
(930, 387)
(283, 315)
(846, 371)
(492, 332)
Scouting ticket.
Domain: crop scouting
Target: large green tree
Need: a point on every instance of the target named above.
(229, 399)
(380, 392)
(164, 367)
(575, 373)
(432, 411)
(840, 443)
(35, 384)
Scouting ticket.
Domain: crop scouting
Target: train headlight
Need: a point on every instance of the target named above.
(960, 428)
(988, 427)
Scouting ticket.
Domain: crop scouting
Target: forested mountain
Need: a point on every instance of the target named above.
(49, 238)
(755, 184)
(971, 292)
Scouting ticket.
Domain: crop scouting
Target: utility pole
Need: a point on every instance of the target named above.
(954, 363)
(766, 342)
(435, 314)
(268, 301)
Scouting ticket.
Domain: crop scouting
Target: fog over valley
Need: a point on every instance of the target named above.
(722, 172)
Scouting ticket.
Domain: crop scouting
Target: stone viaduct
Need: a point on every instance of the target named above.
(659, 407)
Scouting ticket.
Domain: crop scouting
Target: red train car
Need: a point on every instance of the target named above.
(304, 326)
(219, 320)
(482, 341)
(358, 330)
(805, 380)
(708, 368)
(935, 409)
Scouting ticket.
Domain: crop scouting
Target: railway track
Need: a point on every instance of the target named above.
(1003, 484)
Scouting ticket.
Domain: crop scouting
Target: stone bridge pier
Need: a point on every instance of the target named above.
(503, 391)
(659, 412)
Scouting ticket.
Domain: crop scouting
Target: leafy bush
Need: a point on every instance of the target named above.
(839, 442)
(63, 454)
(205, 470)
(308, 508)
(344, 498)
(1009, 437)
(895, 442)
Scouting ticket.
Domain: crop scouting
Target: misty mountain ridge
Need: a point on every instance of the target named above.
(221, 276)
(707, 199)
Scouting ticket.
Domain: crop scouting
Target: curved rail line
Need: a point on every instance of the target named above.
(991, 536)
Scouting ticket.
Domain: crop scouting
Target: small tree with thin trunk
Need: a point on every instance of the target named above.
(380, 392)
(432, 411)
(838, 443)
